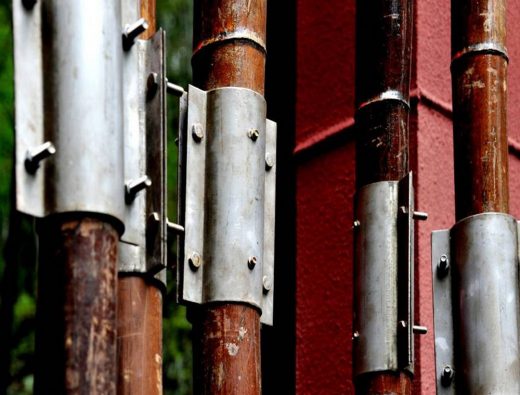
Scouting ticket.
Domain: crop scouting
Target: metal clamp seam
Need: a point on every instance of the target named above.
(391, 94)
(239, 35)
(484, 47)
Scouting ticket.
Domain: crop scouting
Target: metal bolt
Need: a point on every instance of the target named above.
(447, 376)
(195, 261)
(174, 228)
(133, 187)
(443, 267)
(403, 324)
(420, 330)
(174, 89)
(197, 132)
(251, 262)
(356, 224)
(152, 85)
(253, 134)
(132, 31)
(355, 336)
(267, 283)
(420, 216)
(403, 210)
(269, 161)
(35, 155)
(29, 4)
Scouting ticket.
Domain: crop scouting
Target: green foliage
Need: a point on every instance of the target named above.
(175, 17)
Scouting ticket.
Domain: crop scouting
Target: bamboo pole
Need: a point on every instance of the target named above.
(384, 39)
(220, 61)
(139, 309)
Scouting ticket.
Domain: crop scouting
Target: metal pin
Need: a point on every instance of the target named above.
(197, 132)
(29, 4)
(132, 31)
(174, 89)
(420, 330)
(152, 85)
(355, 335)
(403, 324)
(356, 224)
(174, 228)
(447, 376)
(35, 155)
(443, 267)
(267, 284)
(195, 261)
(403, 210)
(251, 262)
(133, 187)
(253, 134)
(420, 216)
(269, 161)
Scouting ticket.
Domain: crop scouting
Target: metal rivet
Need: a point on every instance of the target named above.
(253, 134)
(195, 261)
(267, 283)
(420, 330)
(29, 4)
(420, 216)
(356, 224)
(133, 187)
(269, 161)
(251, 262)
(35, 155)
(197, 132)
(152, 85)
(355, 335)
(443, 267)
(447, 376)
(132, 31)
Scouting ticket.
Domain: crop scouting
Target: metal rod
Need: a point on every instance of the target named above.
(139, 309)
(384, 34)
(239, 63)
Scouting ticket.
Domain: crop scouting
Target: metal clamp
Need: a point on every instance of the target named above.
(228, 173)
(384, 252)
(476, 304)
(69, 145)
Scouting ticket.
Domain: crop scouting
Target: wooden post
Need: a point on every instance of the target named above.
(384, 39)
(139, 309)
(220, 61)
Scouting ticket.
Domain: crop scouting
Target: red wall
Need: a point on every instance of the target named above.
(325, 158)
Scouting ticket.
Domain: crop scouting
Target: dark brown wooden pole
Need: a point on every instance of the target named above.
(76, 334)
(479, 72)
(139, 309)
(384, 39)
(222, 59)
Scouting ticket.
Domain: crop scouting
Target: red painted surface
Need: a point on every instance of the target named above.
(326, 178)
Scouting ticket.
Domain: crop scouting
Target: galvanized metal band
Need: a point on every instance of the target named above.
(481, 280)
(239, 35)
(376, 269)
(392, 94)
(78, 99)
(225, 175)
(485, 47)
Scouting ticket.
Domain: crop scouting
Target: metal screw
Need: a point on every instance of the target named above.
(29, 4)
(35, 155)
(132, 31)
(253, 134)
(356, 224)
(355, 336)
(447, 376)
(195, 261)
(251, 262)
(133, 187)
(152, 85)
(420, 330)
(420, 216)
(174, 89)
(267, 283)
(269, 161)
(197, 132)
(443, 266)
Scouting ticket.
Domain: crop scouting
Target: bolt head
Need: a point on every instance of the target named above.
(195, 261)
(447, 376)
(253, 134)
(356, 224)
(197, 132)
(267, 283)
(251, 262)
(269, 161)
(152, 85)
(443, 267)
(355, 335)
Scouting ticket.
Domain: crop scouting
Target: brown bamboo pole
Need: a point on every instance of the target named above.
(480, 106)
(383, 64)
(221, 59)
(139, 309)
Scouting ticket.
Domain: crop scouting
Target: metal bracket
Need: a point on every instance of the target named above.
(476, 304)
(227, 174)
(64, 160)
(384, 275)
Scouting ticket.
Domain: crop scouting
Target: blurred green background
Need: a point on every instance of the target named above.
(18, 243)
